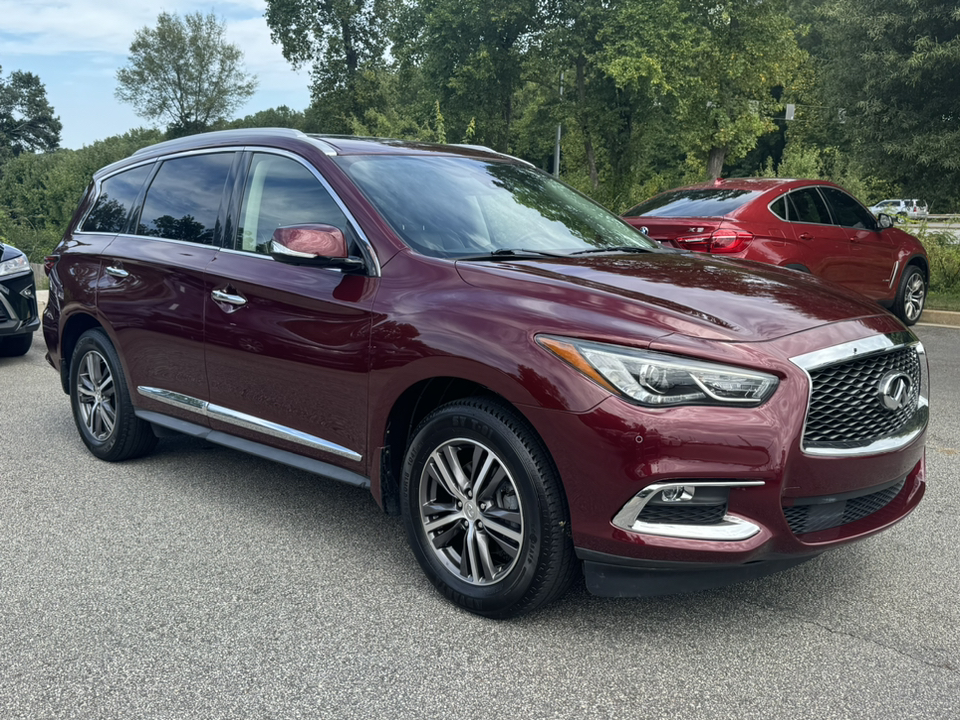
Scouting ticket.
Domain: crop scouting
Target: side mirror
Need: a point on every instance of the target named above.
(885, 221)
(313, 244)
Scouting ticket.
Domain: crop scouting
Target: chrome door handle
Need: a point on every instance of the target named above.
(225, 297)
(117, 272)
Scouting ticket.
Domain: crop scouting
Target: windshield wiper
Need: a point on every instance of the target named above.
(512, 253)
(616, 248)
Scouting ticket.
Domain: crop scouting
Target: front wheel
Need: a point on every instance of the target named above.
(484, 510)
(911, 295)
(101, 403)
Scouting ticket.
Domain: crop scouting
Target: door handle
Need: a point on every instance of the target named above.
(117, 272)
(225, 297)
(806, 236)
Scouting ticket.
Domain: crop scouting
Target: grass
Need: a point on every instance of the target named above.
(944, 301)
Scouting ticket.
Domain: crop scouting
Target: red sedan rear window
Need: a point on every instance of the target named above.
(700, 202)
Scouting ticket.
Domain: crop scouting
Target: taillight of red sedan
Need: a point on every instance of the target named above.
(720, 241)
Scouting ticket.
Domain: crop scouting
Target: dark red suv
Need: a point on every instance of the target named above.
(813, 226)
(534, 385)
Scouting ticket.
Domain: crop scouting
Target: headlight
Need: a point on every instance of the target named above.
(18, 264)
(660, 380)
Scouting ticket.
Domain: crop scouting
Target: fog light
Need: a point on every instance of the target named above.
(677, 494)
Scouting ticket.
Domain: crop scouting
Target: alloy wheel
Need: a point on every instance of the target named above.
(96, 394)
(470, 511)
(913, 297)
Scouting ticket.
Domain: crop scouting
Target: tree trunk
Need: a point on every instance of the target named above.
(715, 162)
(584, 125)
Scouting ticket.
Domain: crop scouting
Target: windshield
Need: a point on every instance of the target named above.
(459, 207)
(701, 202)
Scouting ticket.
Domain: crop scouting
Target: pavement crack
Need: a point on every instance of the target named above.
(948, 666)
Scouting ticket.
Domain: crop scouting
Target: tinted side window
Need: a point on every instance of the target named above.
(279, 192)
(807, 206)
(847, 211)
(779, 208)
(118, 193)
(184, 198)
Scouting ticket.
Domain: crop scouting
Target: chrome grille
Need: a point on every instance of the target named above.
(845, 406)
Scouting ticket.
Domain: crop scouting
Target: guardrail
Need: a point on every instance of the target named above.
(39, 276)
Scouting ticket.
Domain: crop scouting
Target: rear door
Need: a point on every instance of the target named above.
(153, 286)
(288, 346)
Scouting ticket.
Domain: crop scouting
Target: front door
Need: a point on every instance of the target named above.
(875, 253)
(287, 346)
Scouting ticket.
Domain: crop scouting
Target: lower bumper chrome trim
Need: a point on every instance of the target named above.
(730, 529)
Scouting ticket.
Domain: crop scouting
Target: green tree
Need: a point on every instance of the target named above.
(714, 64)
(185, 72)
(27, 123)
(473, 59)
(343, 41)
(893, 67)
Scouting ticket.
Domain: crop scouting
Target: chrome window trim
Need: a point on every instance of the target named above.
(731, 529)
(367, 246)
(825, 202)
(98, 189)
(865, 347)
(249, 422)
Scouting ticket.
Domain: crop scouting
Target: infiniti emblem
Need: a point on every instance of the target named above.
(894, 390)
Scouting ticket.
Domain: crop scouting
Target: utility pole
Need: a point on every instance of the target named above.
(556, 147)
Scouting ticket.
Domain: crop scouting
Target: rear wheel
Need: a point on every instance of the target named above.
(101, 403)
(911, 296)
(484, 510)
(16, 345)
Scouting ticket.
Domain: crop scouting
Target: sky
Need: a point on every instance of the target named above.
(76, 47)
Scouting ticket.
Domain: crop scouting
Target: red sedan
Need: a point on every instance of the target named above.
(813, 226)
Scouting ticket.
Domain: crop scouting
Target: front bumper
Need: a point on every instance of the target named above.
(18, 305)
(779, 504)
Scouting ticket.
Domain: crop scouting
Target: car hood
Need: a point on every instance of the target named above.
(697, 296)
(8, 252)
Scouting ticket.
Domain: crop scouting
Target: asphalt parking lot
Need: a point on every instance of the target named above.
(202, 583)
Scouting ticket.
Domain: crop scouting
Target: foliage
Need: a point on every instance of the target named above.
(893, 68)
(27, 123)
(184, 71)
(342, 41)
(944, 254)
(714, 65)
(39, 192)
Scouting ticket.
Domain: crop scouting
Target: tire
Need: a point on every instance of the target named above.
(101, 403)
(911, 296)
(15, 346)
(496, 542)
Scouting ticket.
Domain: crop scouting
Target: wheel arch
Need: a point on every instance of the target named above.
(408, 410)
(75, 326)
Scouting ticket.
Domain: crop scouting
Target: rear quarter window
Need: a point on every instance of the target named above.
(118, 193)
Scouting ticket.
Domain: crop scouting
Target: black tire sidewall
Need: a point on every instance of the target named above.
(96, 340)
(461, 420)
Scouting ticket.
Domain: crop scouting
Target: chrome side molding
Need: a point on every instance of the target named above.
(248, 422)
